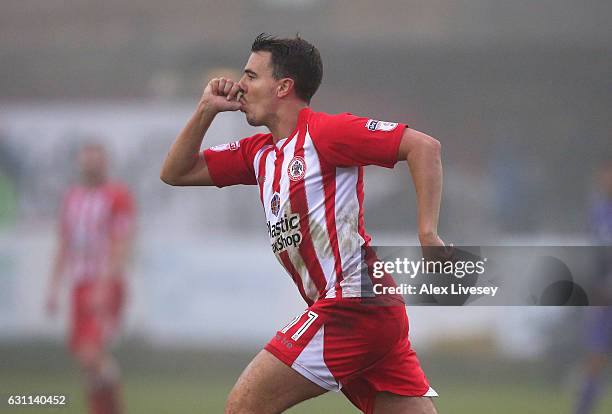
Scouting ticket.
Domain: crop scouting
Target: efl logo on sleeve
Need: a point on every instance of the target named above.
(224, 147)
(375, 125)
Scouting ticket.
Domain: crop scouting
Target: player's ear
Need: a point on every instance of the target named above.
(284, 87)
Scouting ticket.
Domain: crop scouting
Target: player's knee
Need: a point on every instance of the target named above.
(88, 358)
(239, 403)
(234, 404)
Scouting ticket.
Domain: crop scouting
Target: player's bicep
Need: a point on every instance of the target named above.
(412, 140)
(347, 140)
(199, 175)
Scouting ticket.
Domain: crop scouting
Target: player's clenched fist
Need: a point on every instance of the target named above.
(221, 94)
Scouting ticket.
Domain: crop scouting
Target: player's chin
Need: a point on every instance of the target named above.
(252, 121)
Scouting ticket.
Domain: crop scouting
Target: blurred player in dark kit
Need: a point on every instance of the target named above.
(96, 232)
(598, 335)
(309, 172)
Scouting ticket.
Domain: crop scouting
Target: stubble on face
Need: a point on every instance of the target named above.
(260, 90)
(252, 121)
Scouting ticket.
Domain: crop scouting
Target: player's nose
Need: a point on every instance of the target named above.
(242, 85)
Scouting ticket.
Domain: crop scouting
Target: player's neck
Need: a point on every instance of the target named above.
(93, 182)
(285, 120)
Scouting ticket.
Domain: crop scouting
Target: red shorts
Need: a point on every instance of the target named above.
(95, 327)
(357, 345)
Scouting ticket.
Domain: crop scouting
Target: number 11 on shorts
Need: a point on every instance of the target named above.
(312, 316)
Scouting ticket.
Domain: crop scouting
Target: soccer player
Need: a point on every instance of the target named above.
(599, 319)
(309, 170)
(95, 238)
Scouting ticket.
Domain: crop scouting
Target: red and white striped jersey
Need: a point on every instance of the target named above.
(311, 189)
(90, 218)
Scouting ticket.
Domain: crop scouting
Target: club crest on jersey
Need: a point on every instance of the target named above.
(375, 125)
(224, 147)
(296, 169)
(275, 204)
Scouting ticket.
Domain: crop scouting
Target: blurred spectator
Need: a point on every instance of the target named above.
(95, 238)
(598, 333)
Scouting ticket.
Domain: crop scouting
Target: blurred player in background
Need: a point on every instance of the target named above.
(309, 170)
(96, 232)
(598, 333)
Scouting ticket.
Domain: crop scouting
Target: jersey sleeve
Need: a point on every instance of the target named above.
(123, 213)
(231, 163)
(346, 140)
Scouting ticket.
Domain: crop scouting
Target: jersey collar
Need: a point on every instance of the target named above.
(301, 122)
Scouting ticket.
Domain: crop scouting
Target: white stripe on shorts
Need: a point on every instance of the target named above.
(310, 363)
(430, 393)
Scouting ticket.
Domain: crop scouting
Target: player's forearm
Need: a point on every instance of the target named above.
(59, 264)
(120, 253)
(426, 169)
(184, 152)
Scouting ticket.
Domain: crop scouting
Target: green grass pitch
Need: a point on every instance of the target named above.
(199, 381)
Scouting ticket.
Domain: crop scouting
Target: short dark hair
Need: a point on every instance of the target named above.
(293, 58)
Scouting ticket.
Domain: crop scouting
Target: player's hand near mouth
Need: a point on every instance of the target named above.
(181, 167)
(221, 95)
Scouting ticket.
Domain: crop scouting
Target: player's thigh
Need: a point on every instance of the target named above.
(89, 355)
(388, 403)
(269, 386)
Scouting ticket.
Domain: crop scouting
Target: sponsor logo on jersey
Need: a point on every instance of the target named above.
(275, 204)
(376, 125)
(285, 232)
(296, 169)
(232, 146)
